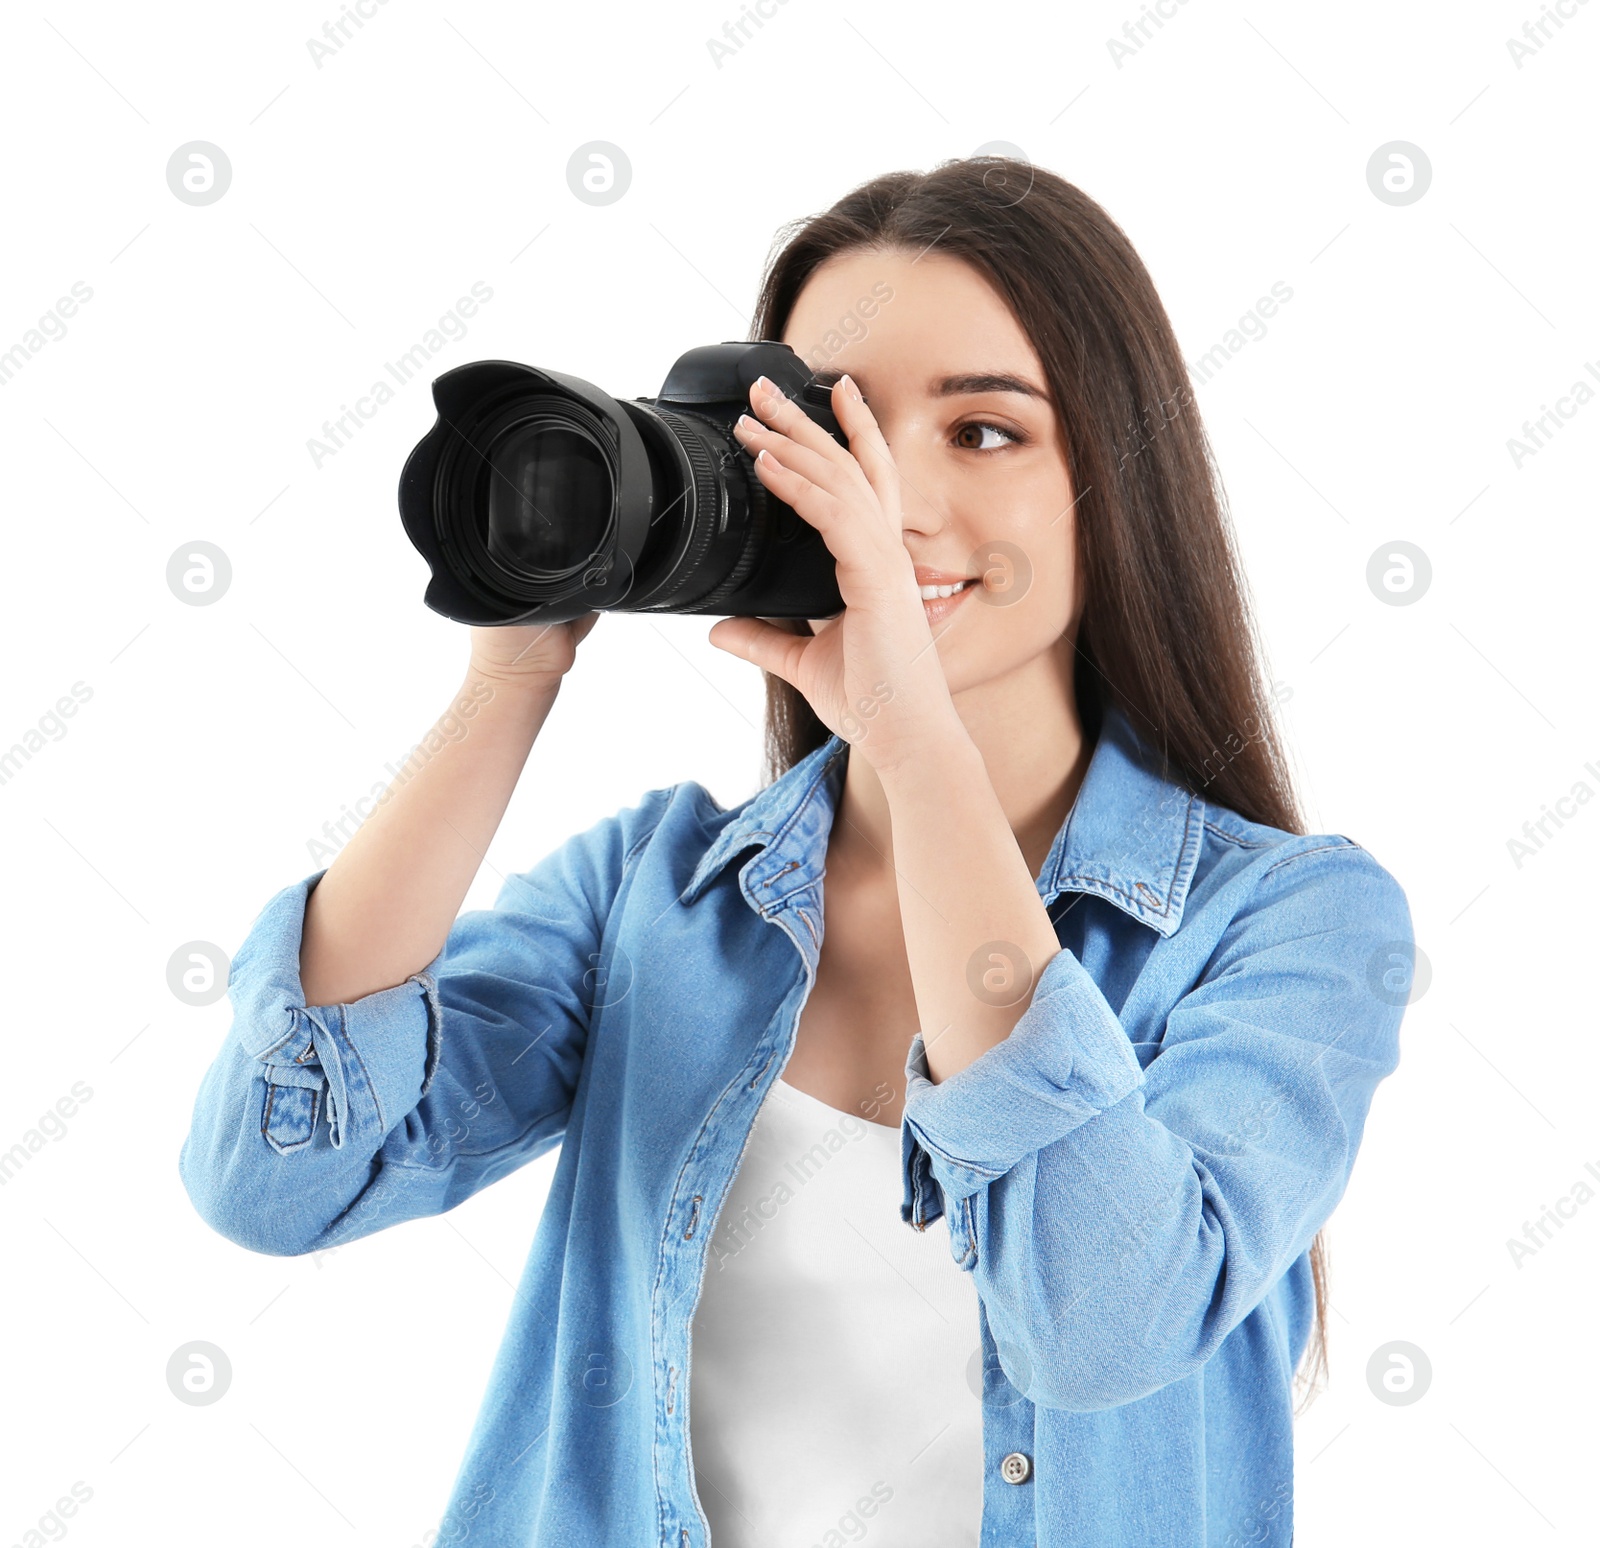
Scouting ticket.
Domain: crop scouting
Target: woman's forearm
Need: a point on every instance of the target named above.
(384, 908)
(977, 933)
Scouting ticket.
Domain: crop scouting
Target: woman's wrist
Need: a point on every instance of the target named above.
(503, 685)
(938, 750)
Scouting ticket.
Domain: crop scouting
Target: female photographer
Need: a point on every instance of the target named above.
(972, 1194)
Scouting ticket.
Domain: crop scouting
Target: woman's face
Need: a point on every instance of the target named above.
(985, 489)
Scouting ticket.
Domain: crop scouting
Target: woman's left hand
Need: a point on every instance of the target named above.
(871, 673)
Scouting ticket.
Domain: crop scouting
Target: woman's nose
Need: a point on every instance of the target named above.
(922, 506)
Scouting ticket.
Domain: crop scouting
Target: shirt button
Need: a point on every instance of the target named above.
(1016, 1468)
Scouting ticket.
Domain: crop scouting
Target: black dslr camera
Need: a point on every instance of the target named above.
(537, 497)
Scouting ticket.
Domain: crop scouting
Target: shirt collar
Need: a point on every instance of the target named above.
(1132, 836)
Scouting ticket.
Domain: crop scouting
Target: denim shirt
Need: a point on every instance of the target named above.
(1133, 1177)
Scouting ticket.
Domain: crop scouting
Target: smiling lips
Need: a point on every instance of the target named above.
(939, 601)
(927, 576)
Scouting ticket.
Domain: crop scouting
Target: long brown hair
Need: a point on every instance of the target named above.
(1166, 633)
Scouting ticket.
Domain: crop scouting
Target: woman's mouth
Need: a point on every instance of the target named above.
(940, 601)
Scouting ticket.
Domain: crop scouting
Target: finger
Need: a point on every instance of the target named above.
(772, 407)
(867, 445)
(867, 459)
(840, 476)
(820, 507)
(770, 648)
(864, 551)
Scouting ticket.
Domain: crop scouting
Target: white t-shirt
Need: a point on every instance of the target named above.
(834, 1363)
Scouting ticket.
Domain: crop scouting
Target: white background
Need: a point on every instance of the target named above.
(429, 153)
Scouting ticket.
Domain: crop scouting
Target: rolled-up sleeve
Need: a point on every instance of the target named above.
(315, 1125)
(360, 1066)
(1028, 1091)
(1119, 1222)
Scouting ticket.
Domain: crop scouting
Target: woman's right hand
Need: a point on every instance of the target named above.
(528, 653)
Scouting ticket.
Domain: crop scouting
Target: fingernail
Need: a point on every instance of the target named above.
(850, 386)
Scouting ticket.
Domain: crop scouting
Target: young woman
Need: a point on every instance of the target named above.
(1077, 986)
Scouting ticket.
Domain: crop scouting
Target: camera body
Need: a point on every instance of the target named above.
(537, 497)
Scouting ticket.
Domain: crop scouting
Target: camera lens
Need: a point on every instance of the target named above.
(550, 497)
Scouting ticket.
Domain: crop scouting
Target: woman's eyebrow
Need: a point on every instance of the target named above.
(966, 382)
(986, 381)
